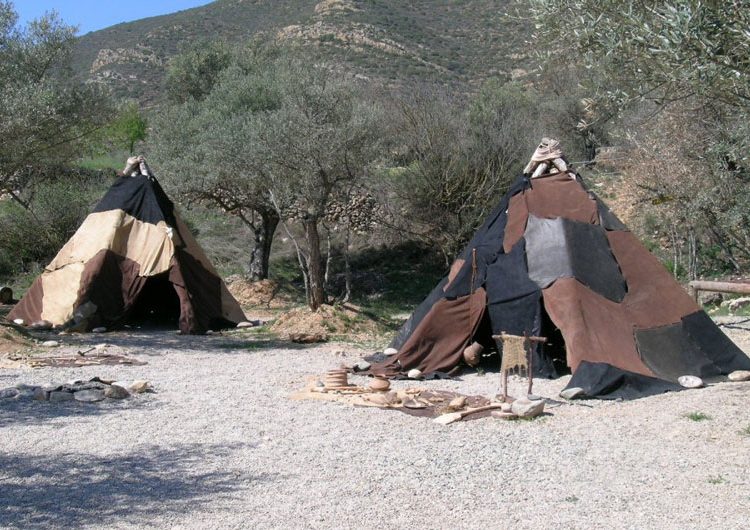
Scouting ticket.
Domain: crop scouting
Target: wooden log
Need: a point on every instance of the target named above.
(541, 169)
(720, 287)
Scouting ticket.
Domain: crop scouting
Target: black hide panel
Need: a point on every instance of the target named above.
(488, 242)
(560, 248)
(140, 196)
(418, 314)
(507, 278)
(605, 381)
(670, 352)
(714, 343)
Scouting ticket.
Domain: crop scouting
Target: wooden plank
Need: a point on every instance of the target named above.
(720, 287)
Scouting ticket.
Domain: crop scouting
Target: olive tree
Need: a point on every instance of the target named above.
(46, 115)
(316, 146)
(203, 143)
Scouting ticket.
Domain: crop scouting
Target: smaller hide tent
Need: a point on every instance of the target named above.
(553, 260)
(132, 259)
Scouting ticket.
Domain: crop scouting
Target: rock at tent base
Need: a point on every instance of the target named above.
(572, 393)
(41, 325)
(690, 381)
(245, 324)
(390, 351)
(50, 343)
(101, 329)
(525, 408)
(19, 322)
(414, 373)
(739, 375)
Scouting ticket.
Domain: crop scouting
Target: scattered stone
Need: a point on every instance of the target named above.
(506, 407)
(533, 397)
(414, 404)
(361, 366)
(56, 397)
(503, 415)
(457, 403)
(6, 295)
(245, 324)
(138, 387)
(307, 338)
(116, 392)
(390, 351)
(525, 408)
(19, 322)
(572, 393)
(690, 381)
(41, 325)
(710, 298)
(739, 375)
(41, 394)
(89, 396)
(414, 373)
(101, 346)
(26, 391)
(8, 393)
(50, 344)
(101, 329)
(739, 303)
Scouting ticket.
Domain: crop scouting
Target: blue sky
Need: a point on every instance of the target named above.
(90, 15)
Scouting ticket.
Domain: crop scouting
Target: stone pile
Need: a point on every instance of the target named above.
(90, 391)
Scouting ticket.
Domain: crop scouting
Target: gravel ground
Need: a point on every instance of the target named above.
(221, 445)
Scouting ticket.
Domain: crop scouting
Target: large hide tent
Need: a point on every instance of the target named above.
(553, 260)
(133, 260)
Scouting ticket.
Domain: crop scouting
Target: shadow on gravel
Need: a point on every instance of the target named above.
(153, 343)
(73, 490)
(29, 412)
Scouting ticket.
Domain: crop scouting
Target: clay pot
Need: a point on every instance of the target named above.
(335, 379)
(472, 354)
(379, 384)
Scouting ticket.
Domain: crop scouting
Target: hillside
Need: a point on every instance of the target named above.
(448, 41)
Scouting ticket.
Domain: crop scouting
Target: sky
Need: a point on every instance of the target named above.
(91, 15)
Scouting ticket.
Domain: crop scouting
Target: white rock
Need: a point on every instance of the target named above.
(19, 321)
(571, 393)
(690, 381)
(414, 373)
(245, 324)
(210, 332)
(50, 343)
(390, 351)
(526, 408)
(101, 329)
(739, 375)
(739, 303)
(138, 386)
(89, 396)
(361, 366)
(101, 346)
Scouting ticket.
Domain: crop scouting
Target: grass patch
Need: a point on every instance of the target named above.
(571, 498)
(718, 479)
(745, 431)
(697, 416)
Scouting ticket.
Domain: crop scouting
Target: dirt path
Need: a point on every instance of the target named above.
(221, 445)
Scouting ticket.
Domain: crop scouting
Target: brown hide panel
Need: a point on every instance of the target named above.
(29, 308)
(595, 329)
(438, 342)
(111, 282)
(549, 197)
(654, 298)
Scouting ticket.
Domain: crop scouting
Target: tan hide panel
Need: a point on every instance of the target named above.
(147, 244)
(60, 288)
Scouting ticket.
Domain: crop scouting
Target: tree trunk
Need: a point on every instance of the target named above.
(314, 265)
(347, 267)
(263, 234)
